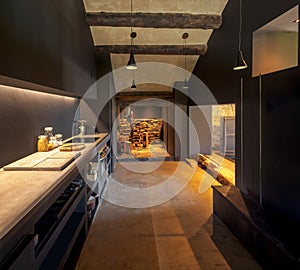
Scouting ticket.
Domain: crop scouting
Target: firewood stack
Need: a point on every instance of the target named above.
(144, 132)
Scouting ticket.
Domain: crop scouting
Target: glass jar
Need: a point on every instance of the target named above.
(59, 139)
(52, 143)
(48, 132)
(42, 144)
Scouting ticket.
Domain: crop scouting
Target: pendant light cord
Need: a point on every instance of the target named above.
(185, 59)
(241, 21)
(131, 21)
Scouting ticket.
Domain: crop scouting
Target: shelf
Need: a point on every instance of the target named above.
(62, 247)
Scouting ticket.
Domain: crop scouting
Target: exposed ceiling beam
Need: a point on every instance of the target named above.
(154, 49)
(136, 95)
(155, 20)
(146, 93)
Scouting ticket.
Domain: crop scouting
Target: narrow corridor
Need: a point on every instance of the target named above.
(181, 233)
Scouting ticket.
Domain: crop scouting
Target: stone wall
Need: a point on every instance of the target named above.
(219, 111)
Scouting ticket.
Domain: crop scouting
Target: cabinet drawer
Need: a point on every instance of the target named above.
(21, 256)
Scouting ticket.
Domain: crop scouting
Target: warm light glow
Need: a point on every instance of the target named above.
(34, 92)
(296, 21)
(239, 67)
(185, 85)
(131, 67)
(240, 62)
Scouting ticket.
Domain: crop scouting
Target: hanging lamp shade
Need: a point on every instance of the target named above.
(185, 85)
(131, 63)
(133, 86)
(240, 62)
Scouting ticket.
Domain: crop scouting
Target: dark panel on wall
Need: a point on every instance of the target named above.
(98, 102)
(24, 114)
(146, 112)
(48, 43)
(280, 121)
(281, 133)
(181, 112)
(105, 87)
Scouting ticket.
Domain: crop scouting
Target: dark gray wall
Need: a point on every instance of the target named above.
(105, 88)
(146, 112)
(102, 98)
(200, 130)
(181, 135)
(47, 45)
(24, 114)
(47, 42)
(281, 103)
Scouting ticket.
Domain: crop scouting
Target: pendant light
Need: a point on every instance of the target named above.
(133, 85)
(240, 62)
(131, 65)
(185, 83)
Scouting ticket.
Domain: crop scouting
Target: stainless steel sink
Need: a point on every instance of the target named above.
(83, 140)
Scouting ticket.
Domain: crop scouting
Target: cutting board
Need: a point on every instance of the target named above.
(52, 164)
(27, 163)
(43, 162)
(66, 155)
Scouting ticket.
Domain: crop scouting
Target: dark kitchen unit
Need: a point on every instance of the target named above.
(137, 90)
(51, 215)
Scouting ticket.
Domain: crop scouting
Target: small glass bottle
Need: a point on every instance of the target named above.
(59, 138)
(54, 141)
(42, 144)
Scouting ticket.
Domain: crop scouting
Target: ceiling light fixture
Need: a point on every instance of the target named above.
(240, 62)
(131, 65)
(185, 83)
(133, 85)
(296, 21)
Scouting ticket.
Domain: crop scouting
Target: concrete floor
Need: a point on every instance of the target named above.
(181, 233)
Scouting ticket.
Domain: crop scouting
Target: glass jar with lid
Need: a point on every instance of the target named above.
(48, 132)
(59, 138)
(52, 143)
(42, 144)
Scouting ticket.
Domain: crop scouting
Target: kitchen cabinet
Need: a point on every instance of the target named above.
(50, 226)
(60, 229)
(97, 177)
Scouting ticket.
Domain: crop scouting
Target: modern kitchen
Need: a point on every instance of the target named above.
(133, 138)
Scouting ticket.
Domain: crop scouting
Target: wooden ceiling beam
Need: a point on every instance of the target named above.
(136, 95)
(146, 93)
(155, 20)
(153, 49)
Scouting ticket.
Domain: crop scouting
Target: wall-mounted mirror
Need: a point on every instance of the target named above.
(275, 45)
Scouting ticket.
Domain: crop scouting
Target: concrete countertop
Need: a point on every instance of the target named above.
(23, 191)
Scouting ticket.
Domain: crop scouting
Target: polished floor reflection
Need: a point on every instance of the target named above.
(182, 233)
